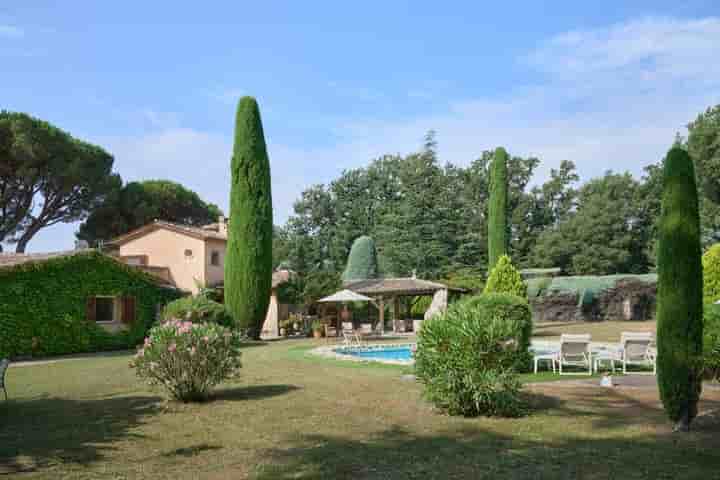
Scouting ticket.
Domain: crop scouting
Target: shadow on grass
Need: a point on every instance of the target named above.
(253, 392)
(634, 444)
(191, 451)
(45, 431)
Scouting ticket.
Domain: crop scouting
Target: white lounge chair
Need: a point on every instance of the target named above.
(349, 334)
(365, 331)
(636, 349)
(575, 351)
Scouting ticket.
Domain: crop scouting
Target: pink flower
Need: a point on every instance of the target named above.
(172, 347)
(206, 339)
(148, 342)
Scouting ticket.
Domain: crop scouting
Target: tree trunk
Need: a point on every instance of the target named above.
(26, 237)
(683, 425)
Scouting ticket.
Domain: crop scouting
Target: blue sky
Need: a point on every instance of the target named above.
(605, 84)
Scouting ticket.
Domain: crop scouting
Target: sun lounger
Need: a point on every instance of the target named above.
(575, 351)
(636, 349)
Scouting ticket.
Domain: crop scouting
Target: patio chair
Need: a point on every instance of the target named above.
(636, 349)
(366, 330)
(349, 334)
(575, 351)
(4, 365)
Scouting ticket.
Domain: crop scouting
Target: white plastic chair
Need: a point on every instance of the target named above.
(636, 349)
(575, 351)
(350, 336)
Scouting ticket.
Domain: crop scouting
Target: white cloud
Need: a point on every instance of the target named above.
(11, 31)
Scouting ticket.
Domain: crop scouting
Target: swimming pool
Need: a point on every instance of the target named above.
(380, 353)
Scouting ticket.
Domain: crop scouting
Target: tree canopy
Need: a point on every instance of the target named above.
(47, 177)
(139, 203)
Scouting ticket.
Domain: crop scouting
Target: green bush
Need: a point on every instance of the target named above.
(679, 298)
(468, 357)
(711, 274)
(198, 309)
(188, 359)
(711, 342)
(362, 260)
(505, 278)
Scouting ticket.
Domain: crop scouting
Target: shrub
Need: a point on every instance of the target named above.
(711, 274)
(497, 208)
(505, 278)
(711, 342)
(197, 309)
(362, 260)
(468, 357)
(248, 265)
(187, 359)
(679, 298)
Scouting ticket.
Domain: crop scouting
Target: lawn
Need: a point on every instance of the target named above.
(291, 416)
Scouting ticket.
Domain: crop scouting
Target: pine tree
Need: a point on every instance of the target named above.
(248, 264)
(362, 260)
(497, 208)
(680, 291)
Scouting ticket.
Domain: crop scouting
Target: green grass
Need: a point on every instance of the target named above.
(292, 416)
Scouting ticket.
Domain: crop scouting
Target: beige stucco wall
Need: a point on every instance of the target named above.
(214, 274)
(167, 249)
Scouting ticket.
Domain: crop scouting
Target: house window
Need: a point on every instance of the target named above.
(109, 309)
(105, 308)
(215, 258)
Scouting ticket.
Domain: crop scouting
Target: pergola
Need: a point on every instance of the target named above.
(390, 290)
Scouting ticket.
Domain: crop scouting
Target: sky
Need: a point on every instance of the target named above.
(604, 84)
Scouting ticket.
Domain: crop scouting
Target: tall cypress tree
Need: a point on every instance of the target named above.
(248, 263)
(679, 298)
(497, 208)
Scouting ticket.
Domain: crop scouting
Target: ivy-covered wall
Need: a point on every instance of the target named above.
(43, 305)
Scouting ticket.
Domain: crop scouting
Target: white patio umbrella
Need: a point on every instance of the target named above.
(345, 296)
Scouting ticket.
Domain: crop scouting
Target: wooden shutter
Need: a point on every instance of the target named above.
(90, 310)
(128, 310)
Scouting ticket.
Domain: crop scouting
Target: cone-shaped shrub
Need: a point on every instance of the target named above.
(497, 208)
(679, 298)
(711, 274)
(248, 264)
(505, 278)
(362, 260)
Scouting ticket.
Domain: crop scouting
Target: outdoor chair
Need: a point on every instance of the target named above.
(636, 349)
(366, 330)
(575, 351)
(349, 334)
(548, 356)
(4, 365)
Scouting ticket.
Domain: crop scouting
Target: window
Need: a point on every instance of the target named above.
(105, 309)
(215, 258)
(109, 309)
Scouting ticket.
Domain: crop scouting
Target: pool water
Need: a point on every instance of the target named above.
(402, 352)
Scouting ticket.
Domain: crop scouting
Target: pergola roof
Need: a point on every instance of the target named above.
(397, 286)
(345, 296)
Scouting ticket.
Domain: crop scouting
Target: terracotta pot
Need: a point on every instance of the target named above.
(283, 332)
(317, 333)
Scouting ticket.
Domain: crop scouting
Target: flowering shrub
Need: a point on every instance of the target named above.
(188, 359)
(468, 357)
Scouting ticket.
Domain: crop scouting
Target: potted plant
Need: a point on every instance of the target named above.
(317, 328)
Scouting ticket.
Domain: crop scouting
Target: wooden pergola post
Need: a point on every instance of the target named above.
(381, 307)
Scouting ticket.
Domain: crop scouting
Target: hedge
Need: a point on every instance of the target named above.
(43, 305)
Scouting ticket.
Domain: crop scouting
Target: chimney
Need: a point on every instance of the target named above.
(222, 225)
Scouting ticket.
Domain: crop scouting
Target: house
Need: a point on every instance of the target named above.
(75, 301)
(191, 257)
